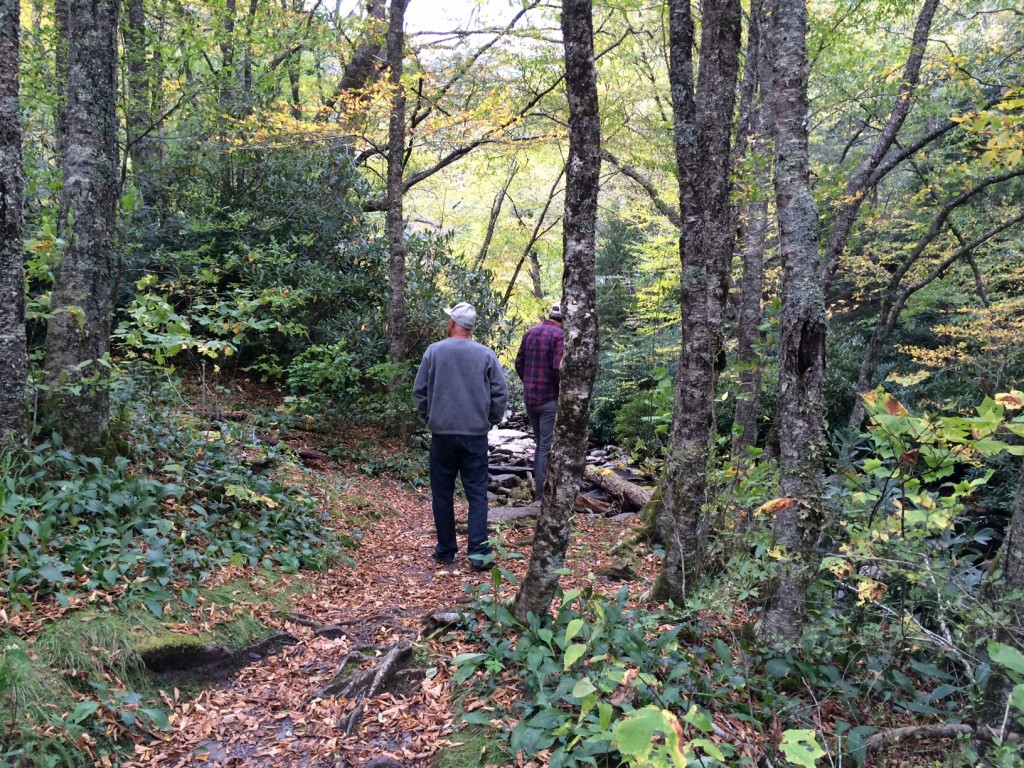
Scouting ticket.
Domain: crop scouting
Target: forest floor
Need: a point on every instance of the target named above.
(274, 712)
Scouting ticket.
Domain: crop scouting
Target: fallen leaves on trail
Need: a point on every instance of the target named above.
(270, 715)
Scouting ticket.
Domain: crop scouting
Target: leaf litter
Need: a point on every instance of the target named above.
(274, 712)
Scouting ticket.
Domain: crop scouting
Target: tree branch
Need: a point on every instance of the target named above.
(853, 195)
(664, 208)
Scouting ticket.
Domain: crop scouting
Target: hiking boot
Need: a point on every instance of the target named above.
(442, 559)
(476, 562)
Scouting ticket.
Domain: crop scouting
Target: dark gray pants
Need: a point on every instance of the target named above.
(542, 419)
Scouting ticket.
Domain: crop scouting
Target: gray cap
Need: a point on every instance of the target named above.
(556, 312)
(464, 315)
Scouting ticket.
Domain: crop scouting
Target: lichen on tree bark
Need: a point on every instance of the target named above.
(579, 366)
(78, 331)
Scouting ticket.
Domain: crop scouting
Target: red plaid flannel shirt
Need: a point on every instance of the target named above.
(538, 362)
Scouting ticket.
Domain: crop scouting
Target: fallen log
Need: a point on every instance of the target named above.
(633, 497)
(311, 454)
(585, 503)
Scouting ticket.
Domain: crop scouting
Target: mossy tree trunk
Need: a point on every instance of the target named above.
(703, 128)
(141, 118)
(13, 354)
(1011, 561)
(753, 138)
(395, 186)
(801, 333)
(78, 331)
(579, 365)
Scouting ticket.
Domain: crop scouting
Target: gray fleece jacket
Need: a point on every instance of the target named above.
(460, 388)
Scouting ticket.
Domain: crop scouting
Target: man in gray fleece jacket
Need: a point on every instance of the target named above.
(461, 392)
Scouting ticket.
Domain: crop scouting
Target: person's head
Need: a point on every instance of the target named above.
(555, 313)
(461, 319)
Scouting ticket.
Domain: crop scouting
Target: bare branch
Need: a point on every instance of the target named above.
(859, 180)
(664, 208)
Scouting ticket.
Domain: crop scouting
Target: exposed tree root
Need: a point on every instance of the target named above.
(369, 682)
(440, 620)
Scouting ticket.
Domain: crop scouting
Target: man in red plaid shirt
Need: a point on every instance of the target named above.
(538, 364)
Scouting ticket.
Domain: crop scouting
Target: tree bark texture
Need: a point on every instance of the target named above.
(863, 178)
(61, 9)
(1011, 560)
(396, 166)
(703, 125)
(140, 118)
(754, 132)
(78, 332)
(13, 352)
(579, 366)
(364, 66)
(801, 333)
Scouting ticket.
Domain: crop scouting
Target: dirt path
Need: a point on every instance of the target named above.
(274, 712)
(269, 714)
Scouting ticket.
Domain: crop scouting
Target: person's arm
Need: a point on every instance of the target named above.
(521, 359)
(499, 391)
(556, 352)
(421, 386)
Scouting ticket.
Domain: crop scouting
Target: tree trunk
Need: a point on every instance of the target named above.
(703, 125)
(227, 97)
(78, 332)
(363, 68)
(633, 496)
(801, 333)
(61, 9)
(755, 127)
(538, 287)
(539, 230)
(1011, 562)
(140, 118)
(13, 353)
(499, 199)
(396, 167)
(579, 365)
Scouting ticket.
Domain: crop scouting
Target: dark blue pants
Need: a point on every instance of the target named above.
(542, 419)
(464, 455)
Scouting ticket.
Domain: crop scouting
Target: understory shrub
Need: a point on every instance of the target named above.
(155, 525)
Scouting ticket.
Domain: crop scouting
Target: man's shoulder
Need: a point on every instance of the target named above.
(549, 329)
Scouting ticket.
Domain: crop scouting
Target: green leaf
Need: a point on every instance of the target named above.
(532, 740)
(801, 747)
(52, 573)
(157, 717)
(1006, 655)
(777, 667)
(699, 719)
(1017, 698)
(573, 653)
(710, 748)
(583, 688)
(465, 658)
(574, 628)
(83, 710)
(632, 736)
